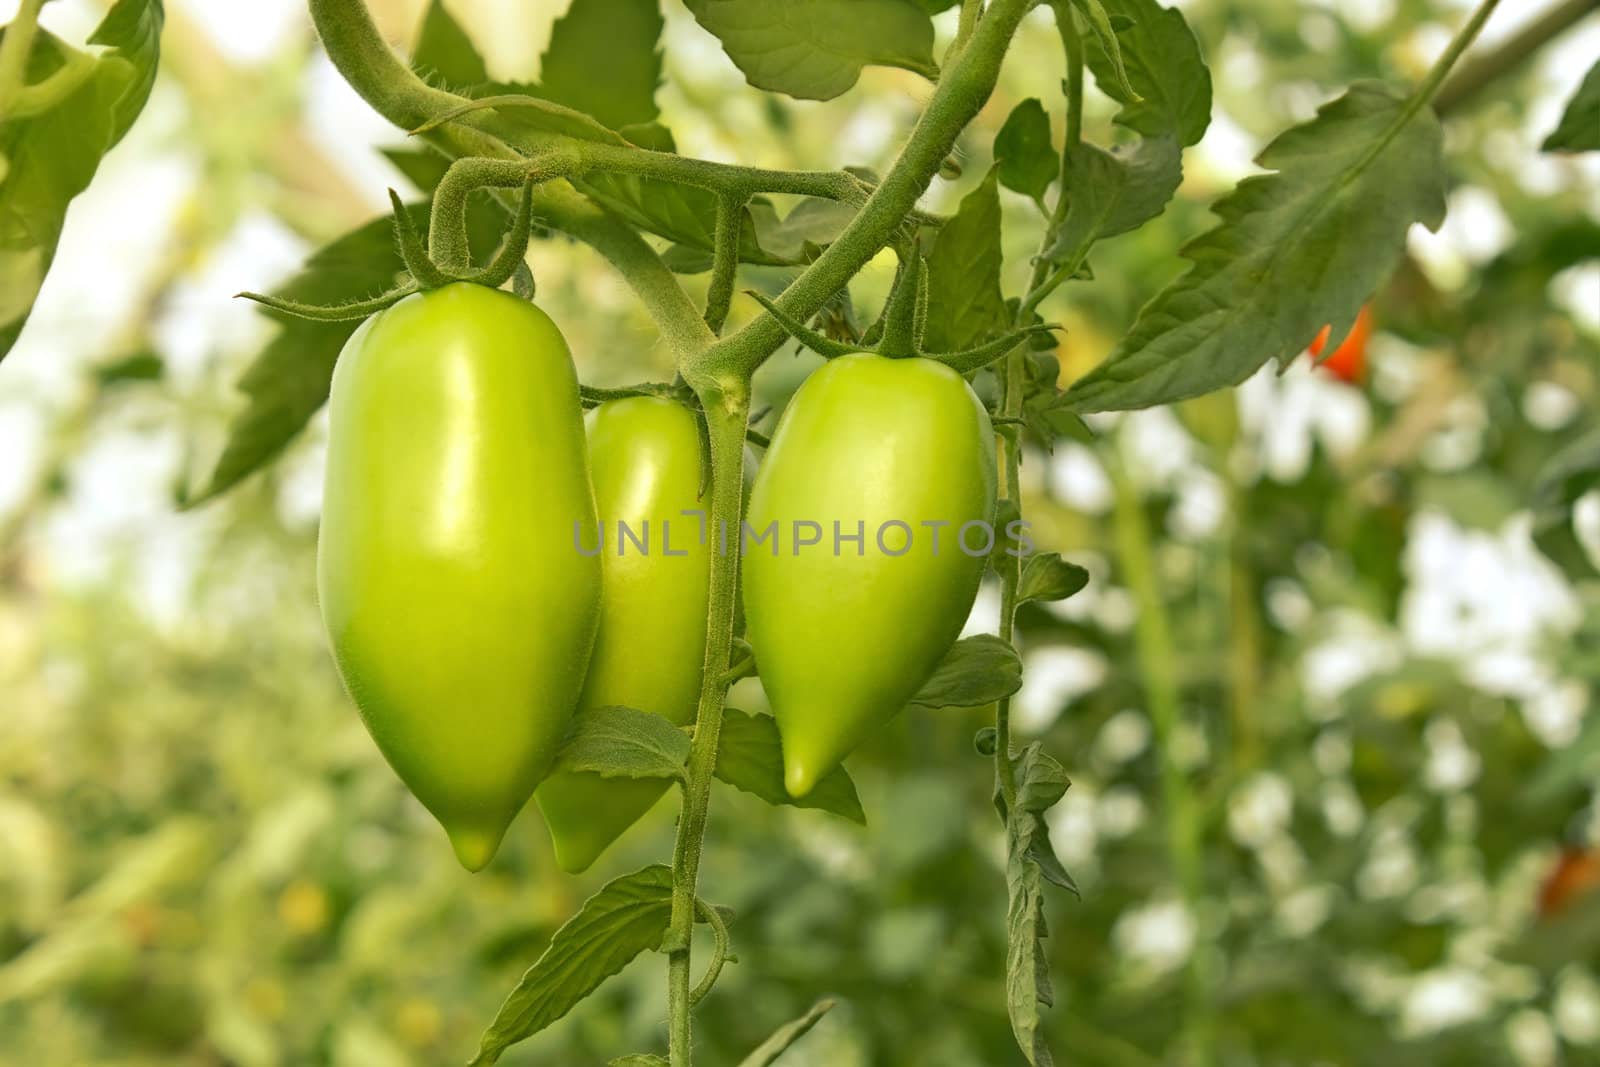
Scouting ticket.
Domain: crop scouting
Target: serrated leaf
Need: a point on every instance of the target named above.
(1030, 861)
(621, 742)
(1161, 59)
(965, 304)
(626, 917)
(1110, 193)
(750, 757)
(603, 60)
(768, 1051)
(1049, 577)
(50, 157)
(1565, 477)
(815, 49)
(977, 670)
(1579, 128)
(1024, 151)
(444, 53)
(1296, 249)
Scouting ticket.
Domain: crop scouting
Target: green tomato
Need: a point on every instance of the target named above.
(459, 612)
(846, 631)
(645, 455)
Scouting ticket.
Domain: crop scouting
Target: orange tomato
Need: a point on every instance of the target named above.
(1349, 361)
(1576, 873)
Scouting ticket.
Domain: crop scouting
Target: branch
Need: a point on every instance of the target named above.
(962, 91)
(377, 74)
(1481, 71)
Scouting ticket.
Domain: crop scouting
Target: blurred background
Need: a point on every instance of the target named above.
(1378, 701)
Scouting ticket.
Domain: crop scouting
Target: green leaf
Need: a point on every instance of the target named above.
(603, 60)
(1161, 59)
(965, 304)
(444, 53)
(1565, 477)
(1295, 250)
(1030, 862)
(977, 670)
(620, 742)
(1025, 154)
(1114, 192)
(768, 1051)
(628, 916)
(1579, 129)
(50, 156)
(750, 757)
(815, 49)
(1049, 577)
(140, 367)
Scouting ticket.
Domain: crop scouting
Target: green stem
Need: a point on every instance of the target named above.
(1157, 659)
(360, 54)
(962, 91)
(724, 260)
(1472, 77)
(14, 50)
(1244, 627)
(727, 411)
(1442, 66)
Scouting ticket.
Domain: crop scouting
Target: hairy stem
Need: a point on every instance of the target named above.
(962, 90)
(724, 260)
(727, 413)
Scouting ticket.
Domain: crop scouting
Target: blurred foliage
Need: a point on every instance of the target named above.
(1387, 691)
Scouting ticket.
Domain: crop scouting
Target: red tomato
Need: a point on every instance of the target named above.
(1575, 874)
(1349, 361)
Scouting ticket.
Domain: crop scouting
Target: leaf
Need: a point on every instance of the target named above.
(1030, 861)
(815, 49)
(626, 917)
(49, 157)
(750, 757)
(1295, 250)
(1565, 477)
(1171, 85)
(1114, 192)
(977, 670)
(965, 304)
(1579, 128)
(444, 52)
(1049, 577)
(619, 742)
(603, 60)
(768, 1051)
(1024, 151)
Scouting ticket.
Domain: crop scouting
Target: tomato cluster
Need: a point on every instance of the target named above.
(472, 618)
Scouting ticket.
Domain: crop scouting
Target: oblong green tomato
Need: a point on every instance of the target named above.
(845, 632)
(459, 612)
(645, 454)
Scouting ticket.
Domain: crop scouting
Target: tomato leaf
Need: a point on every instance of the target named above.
(1025, 153)
(619, 742)
(1160, 58)
(1296, 249)
(49, 156)
(444, 53)
(1049, 577)
(1112, 74)
(965, 304)
(977, 670)
(815, 49)
(604, 60)
(768, 1051)
(1113, 192)
(750, 757)
(626, 917)
(1579, 128)
(1030, 862)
